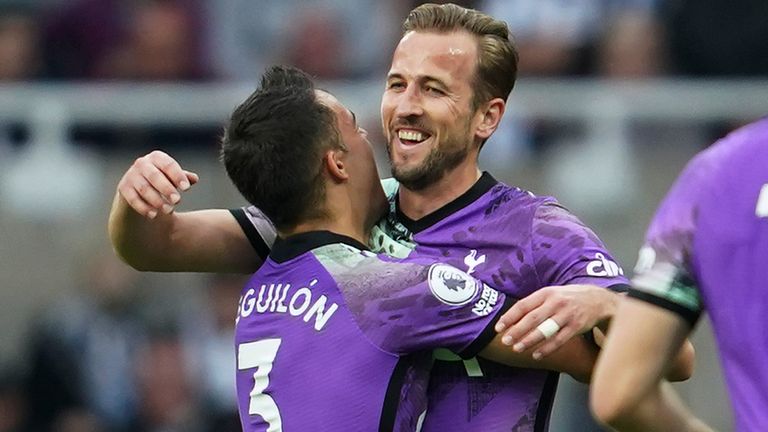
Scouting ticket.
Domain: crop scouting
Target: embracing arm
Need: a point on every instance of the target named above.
(576, 357)
(149, 235)
(582, 307)
(628, 390)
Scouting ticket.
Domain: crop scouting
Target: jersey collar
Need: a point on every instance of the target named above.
(481, 186)
(290, 247)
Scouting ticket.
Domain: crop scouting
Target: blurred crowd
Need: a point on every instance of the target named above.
(233, 40)
(120, 355)
(196, 40)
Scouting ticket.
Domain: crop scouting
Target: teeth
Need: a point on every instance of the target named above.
(410, 135)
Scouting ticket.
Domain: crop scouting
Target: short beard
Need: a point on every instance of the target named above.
(432, 170)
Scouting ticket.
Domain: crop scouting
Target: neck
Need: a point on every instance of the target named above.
(417, 204)
(341, 218)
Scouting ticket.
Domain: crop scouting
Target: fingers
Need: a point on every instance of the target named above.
(525, 315)
(525, 333)
(524, 327)
(153, 183)
(544, 346)
(191, 177)
(138, 204)
(171, 170)
(520, 309)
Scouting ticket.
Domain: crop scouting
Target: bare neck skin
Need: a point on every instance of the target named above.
(342, 217)
(417, 204)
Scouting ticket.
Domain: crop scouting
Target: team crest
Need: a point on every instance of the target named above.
(451, 285)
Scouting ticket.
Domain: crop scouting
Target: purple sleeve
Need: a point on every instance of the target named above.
(412, 307)
(257, 227)
(567, 252)
(664, 274)
(670, 234)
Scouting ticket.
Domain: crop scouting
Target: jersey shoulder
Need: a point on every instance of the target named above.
(413, 304)
(503, 198)
(504, 209)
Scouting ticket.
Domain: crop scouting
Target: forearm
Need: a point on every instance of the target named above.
(681, 366)
(609, 305)
(141, 242)
(660, 410)
(196, 241)
(576, 357)
(642, 345)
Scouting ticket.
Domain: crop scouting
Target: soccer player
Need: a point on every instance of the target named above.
(706, 248)
(445, 94)
(324, 327)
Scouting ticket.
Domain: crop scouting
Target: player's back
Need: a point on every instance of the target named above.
(730, 259)
(325, 332)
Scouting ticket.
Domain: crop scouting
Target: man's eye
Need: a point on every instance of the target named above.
(434, 90)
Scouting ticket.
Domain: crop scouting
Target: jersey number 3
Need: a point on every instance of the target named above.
(261, 355)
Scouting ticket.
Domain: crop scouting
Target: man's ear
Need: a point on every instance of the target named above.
(334, 161)
(490, 118)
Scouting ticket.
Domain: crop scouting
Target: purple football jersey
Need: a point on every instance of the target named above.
(518, 243)
(330, 337)
(511, 240)
(708, 245)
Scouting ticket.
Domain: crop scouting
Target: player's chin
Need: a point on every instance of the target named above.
(409, 158)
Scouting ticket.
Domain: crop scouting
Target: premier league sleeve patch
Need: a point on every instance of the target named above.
(451, 285)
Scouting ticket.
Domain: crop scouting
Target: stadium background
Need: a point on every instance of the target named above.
(614, 97)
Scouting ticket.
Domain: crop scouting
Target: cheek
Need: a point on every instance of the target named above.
(386, 108)
(455, 112)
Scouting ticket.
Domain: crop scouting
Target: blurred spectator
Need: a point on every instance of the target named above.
(126, 39)
(167, 398)
(77, 420)
(132, 40)
(209, 339)
(555, 38)
(562, 38)
(82, 353)
(13, 406)
(19, 44)
(329, 38)
(159, 46)
(632, 44)
(718, 37)
(316, 43)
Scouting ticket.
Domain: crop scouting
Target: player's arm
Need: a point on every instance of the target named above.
(681, 367)
(573, 304)
(576, 357)
(576, 308)
(628, 391)
(149, 235)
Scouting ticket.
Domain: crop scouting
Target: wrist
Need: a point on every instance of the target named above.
(609, 304)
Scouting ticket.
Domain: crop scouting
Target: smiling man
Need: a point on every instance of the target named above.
(445, 95)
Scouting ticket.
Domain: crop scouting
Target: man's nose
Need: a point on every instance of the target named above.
(409, 104)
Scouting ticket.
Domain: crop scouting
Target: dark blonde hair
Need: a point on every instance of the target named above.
(497, 55)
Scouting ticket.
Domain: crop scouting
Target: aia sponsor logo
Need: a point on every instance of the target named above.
(603, 267)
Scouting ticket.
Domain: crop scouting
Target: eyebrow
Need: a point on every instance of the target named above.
(423, 79)
(354, 117)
